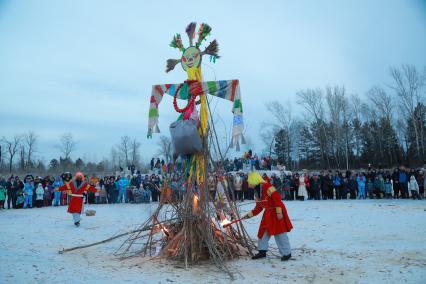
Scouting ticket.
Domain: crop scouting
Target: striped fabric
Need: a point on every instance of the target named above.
(225, 89)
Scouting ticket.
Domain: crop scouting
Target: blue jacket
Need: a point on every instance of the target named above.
(122, 184)
(337, 181)
(28, 188)
(361, 183)
(402, 176)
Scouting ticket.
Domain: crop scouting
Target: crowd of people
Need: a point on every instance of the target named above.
(30, 191)
(398, 183)
(136, 187)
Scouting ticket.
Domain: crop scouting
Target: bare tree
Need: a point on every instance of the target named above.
(125, 147)
(337, 105)
(67, 145)
(382, 102)
(12, 146)
(355, 106)
(30, 140)
(283, 119)
(408, 83)
(114, 157)
(312, 101)
(268, 137)
(165, 148)
(134, 152)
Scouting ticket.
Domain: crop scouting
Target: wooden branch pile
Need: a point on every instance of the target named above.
(190, 230)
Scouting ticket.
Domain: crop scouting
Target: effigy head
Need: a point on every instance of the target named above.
(191, 57)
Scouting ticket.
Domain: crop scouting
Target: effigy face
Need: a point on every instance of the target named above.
(191, 58)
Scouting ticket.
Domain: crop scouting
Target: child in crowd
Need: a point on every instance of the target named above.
(102, 195)
(39, 195)
(413, 186)
(388, 188)
(28, 192)
(57, 194)
(2, 196)
(370, 188)
(361, 186)
(20, 199)
(97, 193)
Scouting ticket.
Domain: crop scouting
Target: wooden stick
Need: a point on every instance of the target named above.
(100, 242)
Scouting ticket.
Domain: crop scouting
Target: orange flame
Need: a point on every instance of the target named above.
(224, 222)
(195, 202)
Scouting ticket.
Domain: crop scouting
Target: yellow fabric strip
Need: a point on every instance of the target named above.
(279, 210)
(271, 190)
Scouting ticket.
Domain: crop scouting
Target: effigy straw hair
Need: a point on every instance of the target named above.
(254, 178)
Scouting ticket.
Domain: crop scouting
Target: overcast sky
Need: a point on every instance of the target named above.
(87, 67)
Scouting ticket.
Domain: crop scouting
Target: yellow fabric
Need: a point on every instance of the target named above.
(200, 168)
(279, 210)
(254, 178)
(271, 190)
(194, 73)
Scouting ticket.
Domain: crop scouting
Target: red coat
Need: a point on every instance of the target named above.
(76, 202)
(271, 202)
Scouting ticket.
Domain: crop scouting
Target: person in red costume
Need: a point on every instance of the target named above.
(77, 187)
(275, 221)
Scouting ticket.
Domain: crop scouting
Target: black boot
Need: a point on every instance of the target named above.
(260, 254)
(285, 257)
(77, 224)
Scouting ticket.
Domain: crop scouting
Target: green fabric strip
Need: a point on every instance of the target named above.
(212, 87)
(238, 104)
(153, 112)
(183, 92)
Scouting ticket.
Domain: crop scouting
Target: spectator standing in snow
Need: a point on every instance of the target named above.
(12, 189)
(388, 188)
(2, 195)
(361, 186)
(122, 185)
(39, 195)
(414, 187)
(28, 192)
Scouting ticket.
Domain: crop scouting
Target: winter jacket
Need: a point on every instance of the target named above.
(413, 185)
(337, 181)
(2, 193)
(388, 188)
(122, 184)
(28, 188)
(361, 181)
(39, 192)
(402, 177)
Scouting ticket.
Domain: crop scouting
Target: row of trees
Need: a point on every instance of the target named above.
(19, 154)
(335, 129)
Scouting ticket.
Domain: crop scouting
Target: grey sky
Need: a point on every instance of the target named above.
(87, 67)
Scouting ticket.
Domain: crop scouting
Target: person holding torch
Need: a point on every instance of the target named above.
(275, 221)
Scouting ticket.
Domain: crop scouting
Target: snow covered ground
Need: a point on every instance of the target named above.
(352, 241)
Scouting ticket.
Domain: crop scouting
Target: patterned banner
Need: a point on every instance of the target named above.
(228, 90)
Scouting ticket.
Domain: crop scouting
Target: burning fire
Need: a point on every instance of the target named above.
(195, 202)
(225, 222)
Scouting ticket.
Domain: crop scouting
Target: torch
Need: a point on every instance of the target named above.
(227, 224)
